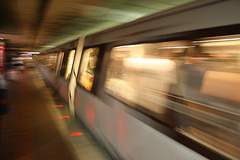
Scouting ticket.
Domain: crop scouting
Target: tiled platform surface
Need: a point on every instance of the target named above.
(35, 130)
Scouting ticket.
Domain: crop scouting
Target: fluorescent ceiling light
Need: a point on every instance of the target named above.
(175, 47)
(32, 52)
(217, 40)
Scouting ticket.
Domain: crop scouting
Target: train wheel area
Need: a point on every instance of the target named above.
(39, 125)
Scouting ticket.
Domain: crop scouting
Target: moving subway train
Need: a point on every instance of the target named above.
(166, 86)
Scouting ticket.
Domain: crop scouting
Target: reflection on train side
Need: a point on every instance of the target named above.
(199, 81)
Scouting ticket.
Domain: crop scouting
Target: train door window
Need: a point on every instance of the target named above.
(211, 113)
(54, 61)
(87, 68)
(51, 60)
(69, 64)
(145, 74)
(45, 60)
(41, 58)
(64, 63)
(59, 62)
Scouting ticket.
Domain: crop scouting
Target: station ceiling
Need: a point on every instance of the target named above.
(37, 25)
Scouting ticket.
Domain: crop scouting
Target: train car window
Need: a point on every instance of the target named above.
(64, 63)
(40, 58)
(145, 74)
(51, 60)
(45, 60)
(59, 62)
(211, 90)
(87, 68)
(69, 64)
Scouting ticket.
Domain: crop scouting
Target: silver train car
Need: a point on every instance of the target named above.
(166, 86)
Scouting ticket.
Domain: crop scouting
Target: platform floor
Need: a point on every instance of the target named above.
(38, 126)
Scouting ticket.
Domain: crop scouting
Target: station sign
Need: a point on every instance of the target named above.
(2, 56)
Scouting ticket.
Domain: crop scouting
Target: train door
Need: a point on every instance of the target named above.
(59, 62)
(73, 78)
(69, 64)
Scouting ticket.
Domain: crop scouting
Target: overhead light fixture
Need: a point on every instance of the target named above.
(176, 47)
(217, 40)
(32, 52)
(129, 46)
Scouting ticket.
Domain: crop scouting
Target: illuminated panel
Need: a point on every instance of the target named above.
(69, 64)
(87, 68)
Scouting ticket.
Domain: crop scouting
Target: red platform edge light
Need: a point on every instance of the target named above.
(221, 56)
(57, 106)
(49, 92)
(75, 134)
(47, 88)
(53, 98)
(64, 117)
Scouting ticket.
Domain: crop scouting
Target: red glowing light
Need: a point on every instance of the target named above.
(47, 88)
(64, 117)
(53, 98)
(75, 134)
(121, 130)
(3, 101)
(90, 115)
(49, 92)
(57, 106)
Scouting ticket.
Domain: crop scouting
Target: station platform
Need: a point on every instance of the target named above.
(39, 126)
